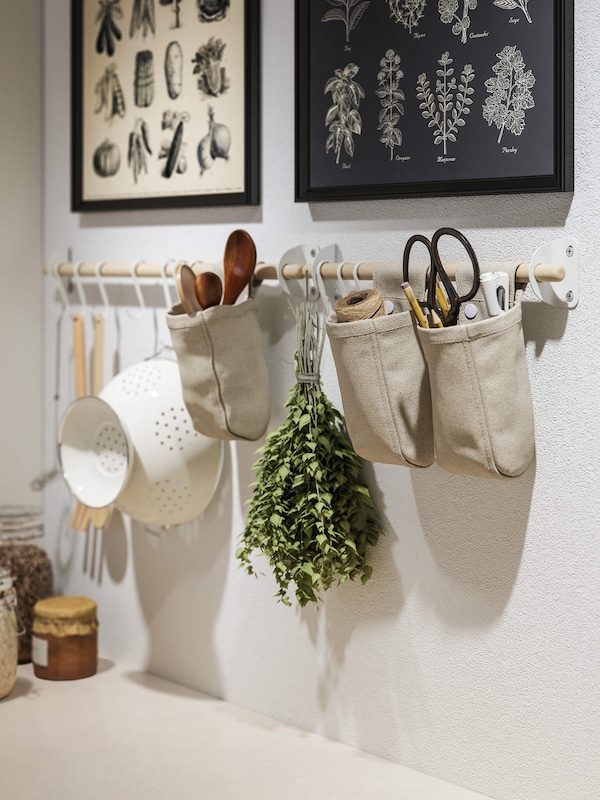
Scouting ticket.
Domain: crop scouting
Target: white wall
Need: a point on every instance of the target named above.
(472, 655)
(21, 238)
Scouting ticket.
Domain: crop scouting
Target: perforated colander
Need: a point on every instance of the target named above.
(168, 470)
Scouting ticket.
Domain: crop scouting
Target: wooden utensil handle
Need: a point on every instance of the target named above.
(98, 354)
(79, 356)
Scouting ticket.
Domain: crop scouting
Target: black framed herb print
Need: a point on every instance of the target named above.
(164, 103)
(405, 98)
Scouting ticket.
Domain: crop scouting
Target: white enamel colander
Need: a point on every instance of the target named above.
(135, 446)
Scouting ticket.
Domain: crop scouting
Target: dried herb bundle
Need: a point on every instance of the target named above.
(310, 515)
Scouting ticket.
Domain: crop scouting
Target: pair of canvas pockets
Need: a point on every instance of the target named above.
(223, 371)
(458, 395)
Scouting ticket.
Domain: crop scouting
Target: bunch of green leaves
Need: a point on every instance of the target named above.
(310, 514)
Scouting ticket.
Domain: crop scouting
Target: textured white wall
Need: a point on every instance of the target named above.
(472, 655)
(21, 240)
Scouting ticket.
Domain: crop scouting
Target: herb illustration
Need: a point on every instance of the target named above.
(139, 146)
(173, 150)
(310, 515)
(348, 11)
(510, 93)
(215, 144)
(408, 12)
(109, 32)
(212, 79)
(142, 18)
(109, 94)
(453, 101)
(510, 5)
(212, 10)
(343, 119)
(448, 9)
(391, 97)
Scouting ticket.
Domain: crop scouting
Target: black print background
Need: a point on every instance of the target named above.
(477, 153)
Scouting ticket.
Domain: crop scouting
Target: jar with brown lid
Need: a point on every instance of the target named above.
(65, 638)
(8, 634)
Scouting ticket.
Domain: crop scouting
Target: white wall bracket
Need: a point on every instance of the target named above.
(301, 254)
(564, 293)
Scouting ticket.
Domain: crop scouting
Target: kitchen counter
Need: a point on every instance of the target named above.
(123, 735)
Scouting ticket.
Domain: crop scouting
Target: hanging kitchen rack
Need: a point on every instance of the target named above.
(553, 271)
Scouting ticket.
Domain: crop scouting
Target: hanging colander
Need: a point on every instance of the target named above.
(136, 446)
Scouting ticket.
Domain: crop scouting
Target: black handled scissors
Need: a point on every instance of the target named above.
(445, 303)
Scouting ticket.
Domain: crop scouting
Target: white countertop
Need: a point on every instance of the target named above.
(122, 735)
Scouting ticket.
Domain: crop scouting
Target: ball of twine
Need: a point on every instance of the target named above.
(364, 304)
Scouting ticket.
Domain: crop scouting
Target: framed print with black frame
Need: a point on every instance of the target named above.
(165, 103)
(433, 98)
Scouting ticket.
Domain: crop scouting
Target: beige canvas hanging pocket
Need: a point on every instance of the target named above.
(383, 379)
(482, 409)
(223, 370)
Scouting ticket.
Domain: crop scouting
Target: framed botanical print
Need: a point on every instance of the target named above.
(408, 98)
(165, 99)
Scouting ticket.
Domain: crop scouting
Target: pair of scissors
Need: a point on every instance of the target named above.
(447, 302)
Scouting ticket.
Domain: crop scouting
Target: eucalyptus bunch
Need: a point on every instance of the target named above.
(310, 515)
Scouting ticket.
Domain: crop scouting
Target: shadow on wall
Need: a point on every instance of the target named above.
(475, 530)
(194, 558)
(496, 211)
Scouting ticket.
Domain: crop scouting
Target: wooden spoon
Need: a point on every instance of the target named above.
(185, 279)
(80, 519)
(209, 289)
(239, 262)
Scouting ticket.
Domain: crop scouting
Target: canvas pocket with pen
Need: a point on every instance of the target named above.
(481, 397)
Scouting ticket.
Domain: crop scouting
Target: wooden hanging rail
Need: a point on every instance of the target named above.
(545, 273)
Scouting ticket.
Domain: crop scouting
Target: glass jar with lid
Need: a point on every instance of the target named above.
(8, 633)
(27, 562)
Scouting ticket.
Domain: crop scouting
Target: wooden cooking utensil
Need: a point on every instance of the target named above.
(209, 289)
(238, 263)
(185, 278)
(99, 516)
(80, 519)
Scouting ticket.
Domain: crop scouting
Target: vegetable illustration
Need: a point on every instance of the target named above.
(107, 159)
(143, 81)
(212, 10)
(510, 93)
(139, 146)
(391, 97)
(510, 5)
(347, 11)
(173, 151)
(449, 115)
(109, 94)
(408, 12)
(215, 144)
(343, 119)
(109, 32)
(310, 515)
(175, 7)
(448, 9)
(174, 69)
(212, 79)
(142, 18)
